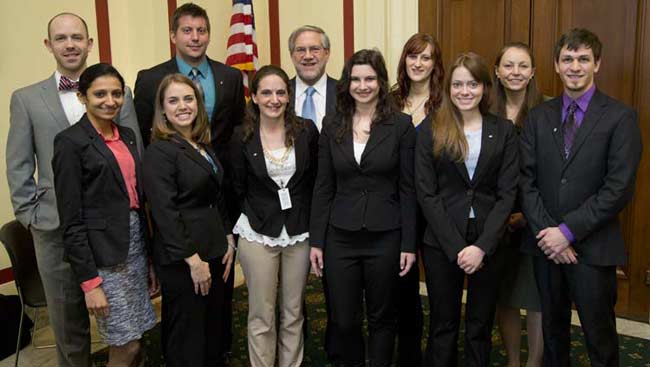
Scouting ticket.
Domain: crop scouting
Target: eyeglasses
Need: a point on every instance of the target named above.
(314, 50)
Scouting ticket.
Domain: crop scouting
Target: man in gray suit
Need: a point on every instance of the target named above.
(38, 113)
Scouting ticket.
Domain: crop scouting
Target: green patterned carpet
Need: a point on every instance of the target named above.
(634, 351)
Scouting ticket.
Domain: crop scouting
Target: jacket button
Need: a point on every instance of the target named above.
(563, 181)
(470, 192)
(363, 193)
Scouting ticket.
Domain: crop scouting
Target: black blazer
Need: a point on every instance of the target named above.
(378, 194)
(92, 198)
(258, 193)
(446, 193)
(186, 202)
(588, 190)
(330, 98)
(228, 108)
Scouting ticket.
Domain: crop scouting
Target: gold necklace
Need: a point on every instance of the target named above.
(414, 110)
(277, 161)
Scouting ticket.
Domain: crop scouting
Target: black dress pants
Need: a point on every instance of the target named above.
(410, 319)
(593, 290)
(445, 288)
(191, 323)
(363, 264)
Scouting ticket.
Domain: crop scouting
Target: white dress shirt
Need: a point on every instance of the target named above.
(71, 106)
(319, 98)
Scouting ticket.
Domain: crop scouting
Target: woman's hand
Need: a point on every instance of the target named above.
(96, 302)
(200, 272)
(406, 261)
(316, 258)
(228, 257)
(154, 286)
(470, 259)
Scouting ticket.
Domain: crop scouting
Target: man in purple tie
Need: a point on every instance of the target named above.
(37, 113)
(579, 157)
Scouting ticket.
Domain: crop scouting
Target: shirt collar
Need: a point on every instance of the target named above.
(116, 134)
(582, 101)
(320, 85)
(185, 68)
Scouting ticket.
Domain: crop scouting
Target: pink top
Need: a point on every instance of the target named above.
(127, 167)
(126, 163)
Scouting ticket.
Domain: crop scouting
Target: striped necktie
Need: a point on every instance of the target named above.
(569, 128)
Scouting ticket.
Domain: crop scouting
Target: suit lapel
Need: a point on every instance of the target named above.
(50, 94)
(129, 139)
(302, 153)
(554, 117)
(330, 97)
(488, 141)
(378, 133)
(218, 86)
(194, 155)
(255, 153)
(99, 144)
(592, 115)
(462, 170)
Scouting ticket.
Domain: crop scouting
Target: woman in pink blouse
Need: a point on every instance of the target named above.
(97, 179)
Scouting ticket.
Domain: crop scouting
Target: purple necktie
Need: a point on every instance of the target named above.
(569, 128)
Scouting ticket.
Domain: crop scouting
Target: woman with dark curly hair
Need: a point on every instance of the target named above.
(363, 208)
(274, 158)
(418, 93)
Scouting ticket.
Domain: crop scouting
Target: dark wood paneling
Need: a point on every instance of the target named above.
(543, 37)
(428, 17)
(638, 233)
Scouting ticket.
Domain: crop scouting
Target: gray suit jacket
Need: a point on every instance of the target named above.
(36, 116)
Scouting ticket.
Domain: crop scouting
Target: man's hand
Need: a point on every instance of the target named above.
(568, 256)
(406, 261)
(552, 242)
(470, 259)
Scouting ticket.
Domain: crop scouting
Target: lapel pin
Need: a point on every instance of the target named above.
(490, 136)
(555, 129)
(221, 82)
(254, 154)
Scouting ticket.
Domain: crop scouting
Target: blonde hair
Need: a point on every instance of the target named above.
(447, 125)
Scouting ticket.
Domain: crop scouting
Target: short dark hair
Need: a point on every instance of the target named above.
(576, 37)
(193, 11)
(97, 71)
(49, 35)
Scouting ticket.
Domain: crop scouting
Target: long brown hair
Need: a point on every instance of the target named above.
(447, 125)
(292, 124)
(533, 96)
(346, 105)
(416, 44)
(163, 129)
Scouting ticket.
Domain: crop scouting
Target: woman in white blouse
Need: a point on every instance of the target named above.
(274, 158)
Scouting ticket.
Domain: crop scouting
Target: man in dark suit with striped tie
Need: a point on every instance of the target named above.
(579, 158)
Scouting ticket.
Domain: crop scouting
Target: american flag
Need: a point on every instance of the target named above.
(242, 46)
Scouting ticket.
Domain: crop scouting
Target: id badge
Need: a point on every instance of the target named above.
(285, 198)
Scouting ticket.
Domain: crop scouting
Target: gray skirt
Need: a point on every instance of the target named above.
(126, 288)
